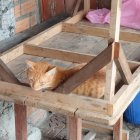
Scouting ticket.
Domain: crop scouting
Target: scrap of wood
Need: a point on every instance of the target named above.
(122, 64)
(92, 67)
(78, 3)
(20, 110)
(74, 128)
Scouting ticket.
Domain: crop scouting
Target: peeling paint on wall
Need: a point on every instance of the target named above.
(7, 19)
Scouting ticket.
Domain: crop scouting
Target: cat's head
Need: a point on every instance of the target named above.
(42, 75)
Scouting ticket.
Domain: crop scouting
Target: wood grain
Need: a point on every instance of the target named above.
(20, 110)
(74, 128)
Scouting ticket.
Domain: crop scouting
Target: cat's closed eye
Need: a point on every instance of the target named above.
(42, 84)
(31, 80)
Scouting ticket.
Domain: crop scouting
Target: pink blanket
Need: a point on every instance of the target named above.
(130, 16)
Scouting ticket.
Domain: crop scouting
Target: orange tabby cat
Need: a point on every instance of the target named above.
(42, 75)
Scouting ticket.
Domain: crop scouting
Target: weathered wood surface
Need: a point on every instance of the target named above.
(125, 35)
(74, 128)
(117, 129)
(122, 64)
(115, 20)
(111, 73)
(127, 93)
(55, 102)
(20, 110)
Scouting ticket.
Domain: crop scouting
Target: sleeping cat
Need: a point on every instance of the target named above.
(42, 75)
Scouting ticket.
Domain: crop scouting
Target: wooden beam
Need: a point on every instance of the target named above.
(74, 128)
(131, 36)
(45, 35)
(122, 64)
(75, 57)
(64, 55)
(111, 72)
(115, 20)
(117, 129)
(84, 29)
(12, 53)
(20, 110)
(55, 102)
(92, 67)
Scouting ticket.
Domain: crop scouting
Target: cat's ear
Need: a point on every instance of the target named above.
(52, 72)
(30, 64)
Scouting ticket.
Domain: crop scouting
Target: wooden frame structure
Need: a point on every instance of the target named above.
(107, 111)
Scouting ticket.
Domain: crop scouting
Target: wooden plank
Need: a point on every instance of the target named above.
(45, 35)
(60, 103)
(110, 81)
(92, 67)
(84, 29)
(54, 101)
(32, 49)
(117, 129)
(12, 53)
(78, 3)
(115, 20)
(20, 110)
(75, 57)
(78, 17)
(74, 128)
(130, 36)
(122, 64)
(86, 5)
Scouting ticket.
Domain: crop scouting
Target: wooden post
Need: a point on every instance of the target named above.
(74, 128)
(86, 5)
(117, 129)
(115, 20)
(20, 110)
(114, 34)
